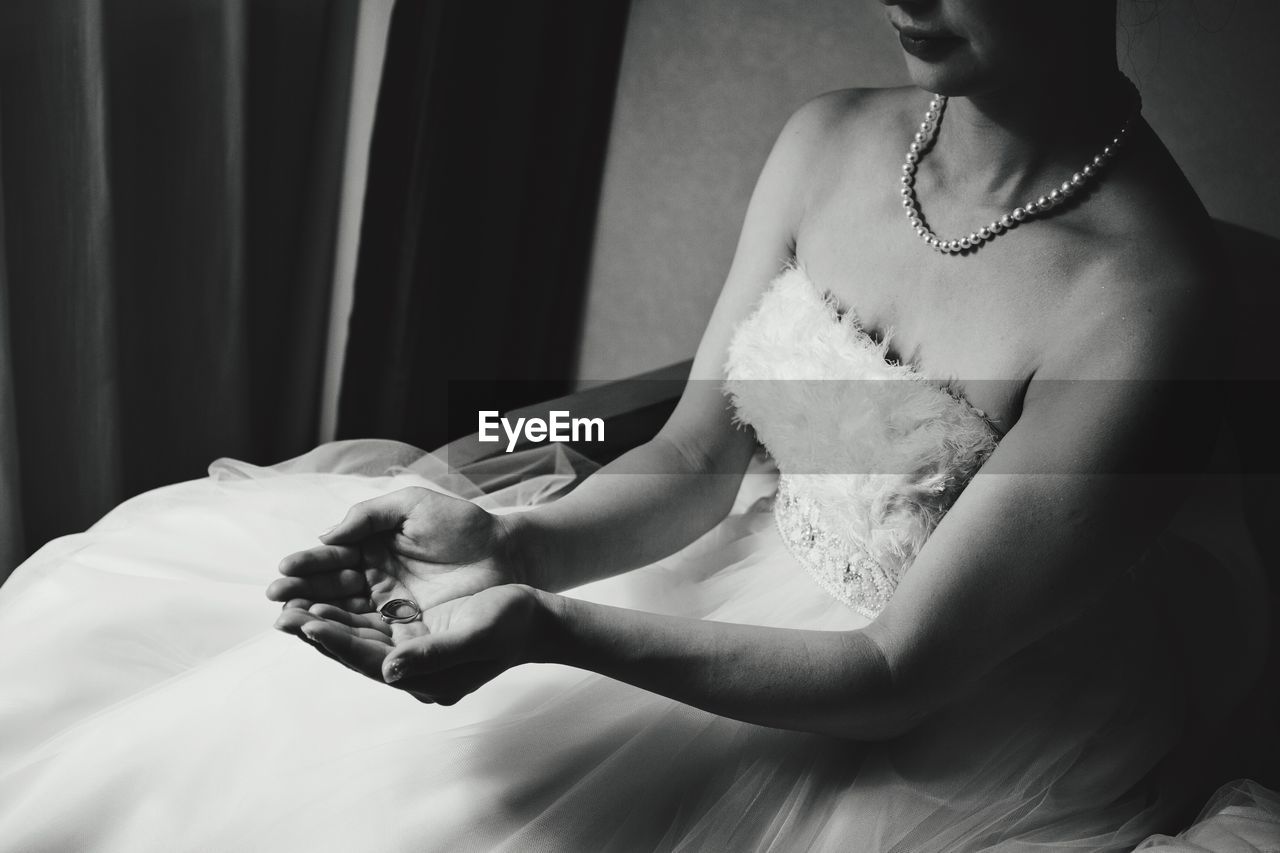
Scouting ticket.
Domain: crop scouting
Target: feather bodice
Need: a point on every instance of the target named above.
(872, 454)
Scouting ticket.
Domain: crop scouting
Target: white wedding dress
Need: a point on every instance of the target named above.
(146, 703)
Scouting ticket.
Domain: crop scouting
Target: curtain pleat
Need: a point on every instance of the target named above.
(177, 85)
(295, 165)
(61, 305)
(170, 174)
(11, 532)
(485, 165)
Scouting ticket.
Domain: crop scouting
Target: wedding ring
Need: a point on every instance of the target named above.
(399, 610)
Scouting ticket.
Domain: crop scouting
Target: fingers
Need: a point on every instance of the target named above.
(354, 604)
(373, 516)
(362, 622)
(330, 586)
(291, 619)
(451, 685)
(324, 558)
(358, 604)
(299, 612)
(361, 653)
(429, 653)
(327, 573)
(362, 644)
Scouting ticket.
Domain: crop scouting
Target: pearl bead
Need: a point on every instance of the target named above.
(926, 137)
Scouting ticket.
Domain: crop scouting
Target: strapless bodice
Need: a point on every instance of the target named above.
(871, 453)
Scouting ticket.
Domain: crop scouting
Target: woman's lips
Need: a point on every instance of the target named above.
(927, 46)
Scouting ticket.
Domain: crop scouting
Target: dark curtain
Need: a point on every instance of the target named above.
(485, 166)
(169, 179)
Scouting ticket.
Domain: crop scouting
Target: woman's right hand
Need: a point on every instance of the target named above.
(438, 547)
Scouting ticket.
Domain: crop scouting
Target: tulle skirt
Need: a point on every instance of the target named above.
(146, 704)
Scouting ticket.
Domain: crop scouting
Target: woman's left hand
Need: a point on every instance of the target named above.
(454, 649)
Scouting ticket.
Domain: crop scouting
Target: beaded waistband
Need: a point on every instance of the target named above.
(847, 572)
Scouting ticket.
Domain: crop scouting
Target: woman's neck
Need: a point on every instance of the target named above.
(1004, 142)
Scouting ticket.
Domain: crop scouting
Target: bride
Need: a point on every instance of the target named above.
(950, 610)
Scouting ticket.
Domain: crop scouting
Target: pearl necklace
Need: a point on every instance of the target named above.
(924, 140)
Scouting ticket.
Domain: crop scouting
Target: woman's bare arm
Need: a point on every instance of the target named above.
(1046, 526)
(661, 496)
(1066, 503)
(640, 508)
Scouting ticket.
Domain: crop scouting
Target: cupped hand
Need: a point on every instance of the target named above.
(380, 587)
(454, 649)
(436, 547)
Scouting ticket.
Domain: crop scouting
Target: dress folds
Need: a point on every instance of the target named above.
(146, 703)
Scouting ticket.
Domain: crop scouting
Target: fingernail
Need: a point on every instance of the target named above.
(309, 631)
(327, 532)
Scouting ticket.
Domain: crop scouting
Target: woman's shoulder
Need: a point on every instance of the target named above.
(1145, 265)
(834, 129)
(849, 115)
(1149, 214)
(1147, 299)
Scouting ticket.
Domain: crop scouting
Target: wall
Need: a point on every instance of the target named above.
(706, 85)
